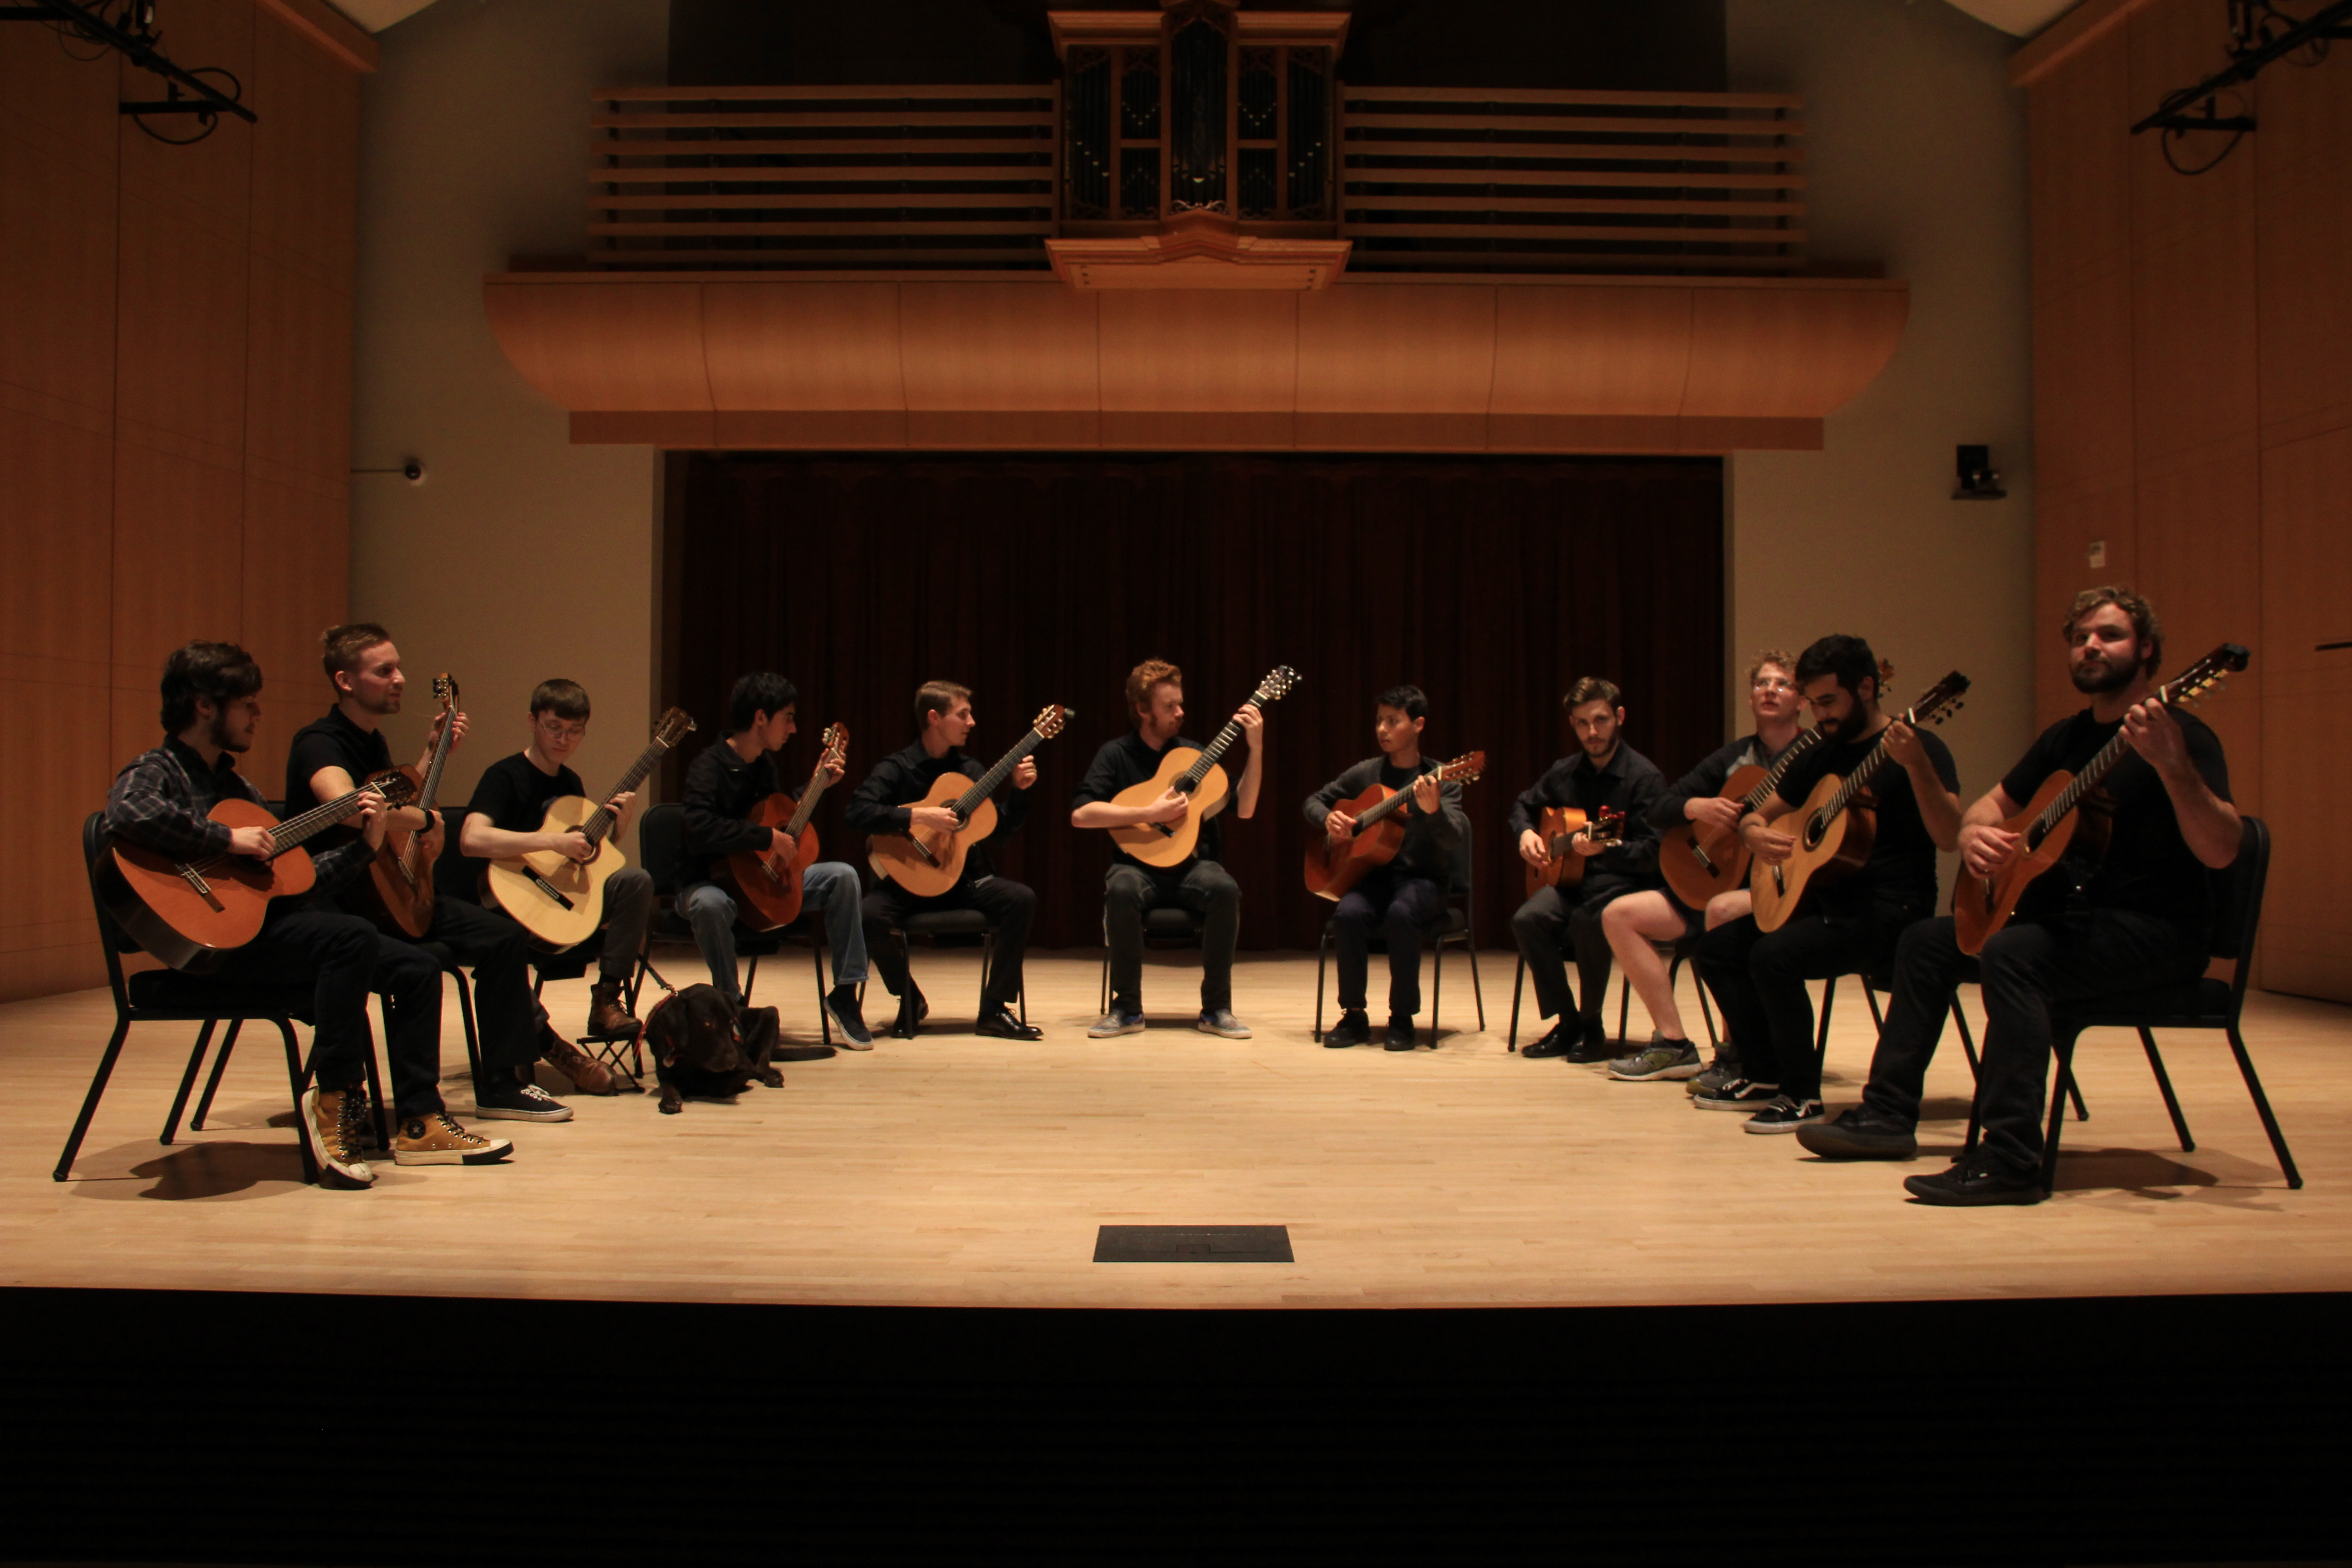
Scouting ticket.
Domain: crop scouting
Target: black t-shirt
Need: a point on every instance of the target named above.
(514, 795)
(1127, 762)
(1902, 865)
(2148, 866)
(333, 742)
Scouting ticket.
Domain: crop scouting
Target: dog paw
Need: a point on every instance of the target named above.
(671, 1104)
(771, 1079)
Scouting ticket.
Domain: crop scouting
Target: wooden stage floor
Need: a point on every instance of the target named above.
(958, 1171)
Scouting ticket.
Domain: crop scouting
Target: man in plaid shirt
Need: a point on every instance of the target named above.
(162, 801)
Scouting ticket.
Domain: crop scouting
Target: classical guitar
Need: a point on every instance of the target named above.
(1983, 905)
(1559, 827)
(1197, 775)
(768, 888)
(559, 900)
(1838, 824)
(192, 915)
(928, 861)
(400, 877)
(1334, 866)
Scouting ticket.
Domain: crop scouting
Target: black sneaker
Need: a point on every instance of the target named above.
(1352, 1029)
(1974, 1183)
(507, 1101)
(1593, 1044)
(1722, 1070)
(848, 1018)
(1785, 1114)
(997, 1022)
(1400, 1035)
(1859, 1134)
(1554, 1043)
(1739, 1094)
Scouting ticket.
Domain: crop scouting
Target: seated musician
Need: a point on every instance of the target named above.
(943, 723)
(162, 801)
(2135, 920)
(1155, 701)
(326, 758)
(724, 784)
(1637, 922)
(1605, 772)
(1405, 898)
(1846, 926)
(507, 818)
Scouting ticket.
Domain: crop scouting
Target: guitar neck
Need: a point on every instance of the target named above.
(600, 823)
(1856, 782)
(1755, 797)
(432, 773)
(1387, 808)
(1219, 744)
(296, 830)
(989, 782)
(818, 780)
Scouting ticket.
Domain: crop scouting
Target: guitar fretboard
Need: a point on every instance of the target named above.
(599, 822)
(989, 782)
(818, 780)
(1755, 797)
(440, 755)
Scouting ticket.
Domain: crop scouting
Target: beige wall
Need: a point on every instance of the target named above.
(521, 556)
(1916, 154)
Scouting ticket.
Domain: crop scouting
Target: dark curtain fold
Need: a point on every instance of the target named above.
(1491, 584)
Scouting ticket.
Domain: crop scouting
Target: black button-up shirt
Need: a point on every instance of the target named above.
(882, 802)
(1630, 783)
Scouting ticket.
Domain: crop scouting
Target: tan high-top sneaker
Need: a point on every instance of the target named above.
(327, 1126)
(437, 1140)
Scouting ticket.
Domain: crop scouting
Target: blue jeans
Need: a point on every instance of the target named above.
(829, 890)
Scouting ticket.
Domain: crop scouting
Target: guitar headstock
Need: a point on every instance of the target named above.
(835, 745)
(445, 691)
(1607, 826)
(1276, 685)
(1942, 701)
(1050, 719)
(675, 725)
(394, 786)
(1465, 768)
(2207, 676)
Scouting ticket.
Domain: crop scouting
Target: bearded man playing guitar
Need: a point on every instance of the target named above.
(2135, 920)
(162, 801)
(1404, 898)
(1846, 927)
(1605, 774)
(1635, 923)
(943, 722)
(328, 758)
(1155, 701)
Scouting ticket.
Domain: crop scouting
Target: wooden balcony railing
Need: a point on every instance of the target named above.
(779, 178)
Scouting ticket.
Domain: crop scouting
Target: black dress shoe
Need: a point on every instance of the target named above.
(912, 1010)
(1593, 1044)
(998, 1023)
(1973, 1184)
(1352, 1029)
(1554, 1044)
(1400, 1036)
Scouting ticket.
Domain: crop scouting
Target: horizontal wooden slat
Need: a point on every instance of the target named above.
(995, 172)
(878, 226)
(1516, 231)
(773, 94)
(1568, 95)
(1384, 147)
(1630, 261)
(739, 201)
(1558, 204)
(627, 120)
(1628, 126)
(818, 147)
(641, 258)
(1434, 179)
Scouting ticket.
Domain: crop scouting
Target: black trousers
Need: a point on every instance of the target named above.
(1010, 907)
(1205, 887)
(1400, 908)
(1759, 980)
(343, 957)
(1538, 928)
(497, 950)
(2026, 967)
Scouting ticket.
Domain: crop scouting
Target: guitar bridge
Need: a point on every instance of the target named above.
(196, 879)
(549, 888)
(1700, 855)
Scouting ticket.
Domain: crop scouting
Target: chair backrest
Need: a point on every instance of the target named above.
(661, 846)
(112, 938)
(2237, 903)
(1461, 883)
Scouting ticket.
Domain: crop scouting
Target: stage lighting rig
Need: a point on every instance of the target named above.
(131, 32)
(2259, 35)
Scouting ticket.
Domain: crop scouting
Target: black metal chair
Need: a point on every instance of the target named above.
(954, 925)
(2203, 1004)
(661, 846)
(1457, 925)
(169, 996)
(1168, 927)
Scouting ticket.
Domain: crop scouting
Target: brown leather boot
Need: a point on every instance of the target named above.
(607, 1018)
(588, 1075)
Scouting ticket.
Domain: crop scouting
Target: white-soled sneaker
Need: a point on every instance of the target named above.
(1221, 1021)
(1115, 1023)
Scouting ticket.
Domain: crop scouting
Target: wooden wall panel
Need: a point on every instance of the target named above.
(1163, 353)
(47, 939)
(2080, 171)
(2304, 230)
(2198, 538)
(305, 152)
(1617, 351)
(2172, 44)
(56, 272)
(209, 183)
(2194, 385)
(829, 347)
(298, 410)
(295, 584)
(180, 341)
(54, 596)
(1430, 352)
(2082, 378)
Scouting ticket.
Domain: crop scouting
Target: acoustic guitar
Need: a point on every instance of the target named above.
(1334, 866)
(1838, 824)
(559, 900)
(1560, 827)
(928, 861)
(768, 888)
(400, 877)
(1197, 775)
(192, 915)
(1700, 861)
(1983, 905)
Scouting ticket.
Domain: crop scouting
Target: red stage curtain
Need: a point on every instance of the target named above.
(1490, 582)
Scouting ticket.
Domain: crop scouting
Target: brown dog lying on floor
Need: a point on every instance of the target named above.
(701, 1045)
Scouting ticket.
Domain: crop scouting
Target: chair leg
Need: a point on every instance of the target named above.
(1624, 1004)
(1968, 1039)
(2163, 1085)
(1518, 982)
(2263, 1109)
(751, 978)
(823, 1014)
(1322, 963)
(213, 1082)
(298, 1074)
(89, 1101)
(1829, 1001)
(1477, 994)
(1877, 1018)
(188, 1079)
(473, 1035)
(2065, 1054)
(1437, 992)
(987, 963)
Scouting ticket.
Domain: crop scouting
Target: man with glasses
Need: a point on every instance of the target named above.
(1637, 922)
(505, 820)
